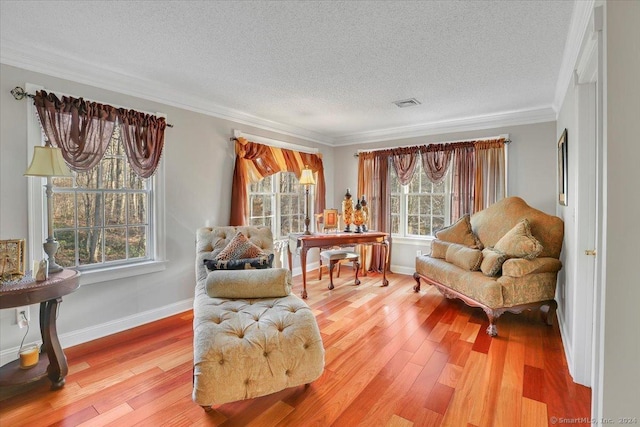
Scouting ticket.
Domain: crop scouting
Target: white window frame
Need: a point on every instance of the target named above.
(402, 235)
(38, 225)
(419, 240)
(276, 204)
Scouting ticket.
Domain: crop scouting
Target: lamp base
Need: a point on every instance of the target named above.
(50, 248)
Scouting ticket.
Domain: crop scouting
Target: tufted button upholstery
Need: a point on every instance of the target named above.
(246, 348)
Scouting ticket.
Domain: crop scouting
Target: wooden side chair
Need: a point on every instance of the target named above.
(335, 255)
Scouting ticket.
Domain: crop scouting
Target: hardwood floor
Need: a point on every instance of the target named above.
(393, 358)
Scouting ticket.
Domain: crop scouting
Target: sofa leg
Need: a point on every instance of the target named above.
(416, 276)
(549, 311)
(207, 408)
(492, 329)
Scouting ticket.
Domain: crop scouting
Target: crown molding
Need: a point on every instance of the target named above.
(34, 59)
(490, 121)
(580, 19)
(77, 70)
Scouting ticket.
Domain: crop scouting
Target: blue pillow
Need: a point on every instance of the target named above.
(240, 264)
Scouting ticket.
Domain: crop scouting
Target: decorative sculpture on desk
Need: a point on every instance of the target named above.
(41, 270)
(358, 220)
(347, 211)
(365, 214)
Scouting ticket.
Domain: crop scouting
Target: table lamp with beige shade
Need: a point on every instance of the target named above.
(306, 179)
(47, 162)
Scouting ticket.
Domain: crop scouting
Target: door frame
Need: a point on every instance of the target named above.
(587, 337)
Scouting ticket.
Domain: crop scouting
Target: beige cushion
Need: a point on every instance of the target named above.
(239, 248)
(473, 284)
(245, 348)
(333, 254)
(439, 249)
(519, 243)
(269, 283)
(460, 232)
(492, 261)
(518, 267)
(492, 223)
(464, 257)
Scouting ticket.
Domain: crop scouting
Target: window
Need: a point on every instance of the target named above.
(101, 217)
(278, 201)
(108, 221)
(421, 207)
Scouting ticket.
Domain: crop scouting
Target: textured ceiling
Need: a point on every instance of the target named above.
(332, 68)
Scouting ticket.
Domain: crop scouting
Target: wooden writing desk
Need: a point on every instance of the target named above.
(53, 362)
(323, 240)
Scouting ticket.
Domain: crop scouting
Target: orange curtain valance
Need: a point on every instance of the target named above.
(256, 161)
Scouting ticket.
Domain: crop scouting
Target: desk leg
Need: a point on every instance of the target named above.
(43, 327)
(385, 245)
(303, 265)
(58, 368)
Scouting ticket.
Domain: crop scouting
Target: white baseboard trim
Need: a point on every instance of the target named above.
(80, 336)
(401, 269)
(297, 271)
(565, 343)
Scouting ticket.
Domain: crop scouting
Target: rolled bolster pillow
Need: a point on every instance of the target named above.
(267, 283)
(518, 267)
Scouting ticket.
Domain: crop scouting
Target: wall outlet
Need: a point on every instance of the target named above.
(21, 314)
(418, 252)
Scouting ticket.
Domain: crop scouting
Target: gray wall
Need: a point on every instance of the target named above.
(618, 355)
(532, 173)
(566, 277)
(621, 346)
(199, 160)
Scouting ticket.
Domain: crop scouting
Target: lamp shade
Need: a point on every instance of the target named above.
(47, 161)
(306, 177)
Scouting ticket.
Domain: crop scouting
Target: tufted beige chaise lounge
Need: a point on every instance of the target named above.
(249, 347)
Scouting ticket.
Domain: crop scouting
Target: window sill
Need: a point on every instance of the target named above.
(412, 241)
(90, 277)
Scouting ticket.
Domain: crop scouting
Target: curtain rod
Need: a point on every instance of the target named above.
(505, 136)
(20, 94)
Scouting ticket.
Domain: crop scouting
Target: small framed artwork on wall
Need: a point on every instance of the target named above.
(563, 180)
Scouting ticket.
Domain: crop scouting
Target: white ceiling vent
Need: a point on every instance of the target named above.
(407, 103)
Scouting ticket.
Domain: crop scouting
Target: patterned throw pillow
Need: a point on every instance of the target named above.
(265, 261)
(439, 249)
(519, 243)
(460, 232)
(492, 261)
(464, 257)
(238, 248)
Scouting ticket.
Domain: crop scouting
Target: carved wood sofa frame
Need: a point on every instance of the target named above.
(547, 307)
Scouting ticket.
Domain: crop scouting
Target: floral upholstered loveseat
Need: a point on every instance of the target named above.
(504, 258)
